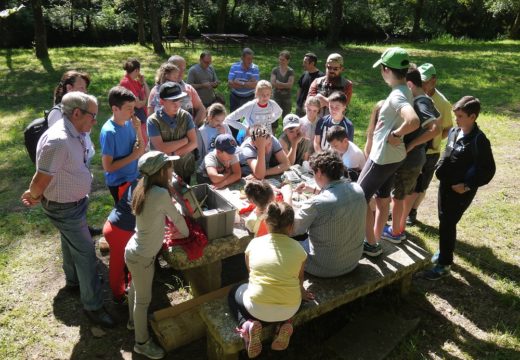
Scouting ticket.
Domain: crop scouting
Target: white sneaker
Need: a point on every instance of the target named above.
(150, 349)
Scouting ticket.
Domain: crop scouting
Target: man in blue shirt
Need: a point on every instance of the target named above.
(242, 79)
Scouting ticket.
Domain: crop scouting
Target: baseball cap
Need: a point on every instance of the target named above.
(290, 121)
(335, 57)
(395, 58)
(226, 142)
(171, 91)
(427, 70)
(153, 161)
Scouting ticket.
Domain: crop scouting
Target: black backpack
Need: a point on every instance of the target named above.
(34, 131)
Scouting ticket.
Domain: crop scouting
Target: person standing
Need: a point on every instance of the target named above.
(282, 79)
(311, 72)
(203, 78)
(61, 184)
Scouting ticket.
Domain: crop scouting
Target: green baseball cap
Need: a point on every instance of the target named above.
(153, 161)
(427, 70)
(395, 58)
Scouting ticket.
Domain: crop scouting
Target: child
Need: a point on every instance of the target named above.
(151, 203)
(374, 116)
(121, 141)
(221, 166)
(213, 127)
(467, 164)
(337, 107)
(352, 156)
(261, 110)
(294, 144)
(260, 193)
(166, 72)
(310, 120)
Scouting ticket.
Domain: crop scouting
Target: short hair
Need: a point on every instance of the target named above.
(259, 192)
(313, 100)
(176, 59)
(203, 54)
(414, 76)
(76, 100)
(164, 70)
(329, 163)
(312, 58)
(216, 109)
(398, 73)
(286, 54)
(339, 97)
(469, 104)
(68, 78)
(259, 130)
(118, 95)
(336, 132)
(279, 216)
(247, 51)
(263, 84)
(131, 64)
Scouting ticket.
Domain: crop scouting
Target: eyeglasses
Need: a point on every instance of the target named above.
(88, 112)
(333, 68)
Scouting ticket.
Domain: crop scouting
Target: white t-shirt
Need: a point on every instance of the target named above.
(353, 158)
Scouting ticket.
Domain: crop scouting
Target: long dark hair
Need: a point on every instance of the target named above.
(68, 78)
(160, 178)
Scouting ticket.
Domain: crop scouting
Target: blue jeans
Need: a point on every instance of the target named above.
(79, 255)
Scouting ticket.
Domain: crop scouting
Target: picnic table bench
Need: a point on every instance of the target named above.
(216, 40)
(168, 41)
(396, 264)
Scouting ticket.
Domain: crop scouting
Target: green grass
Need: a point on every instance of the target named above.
(473, 315)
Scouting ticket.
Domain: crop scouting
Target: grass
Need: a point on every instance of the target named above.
(472, 315)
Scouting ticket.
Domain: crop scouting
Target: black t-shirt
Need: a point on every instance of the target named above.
(304, 83)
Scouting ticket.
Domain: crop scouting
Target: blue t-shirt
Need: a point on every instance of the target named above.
(152, 130)
(237, 72)
(249, 151)
(326, 123)
(118, 142)
(121, 216)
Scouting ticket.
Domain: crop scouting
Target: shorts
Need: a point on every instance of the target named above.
(426, 176)
(405, 181)
(377, 179)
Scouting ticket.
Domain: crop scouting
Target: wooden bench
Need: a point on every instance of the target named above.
(397, 264)
(169, 40)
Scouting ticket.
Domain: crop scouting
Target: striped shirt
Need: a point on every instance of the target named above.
(335, 222)
(237, 72)
(62, 154)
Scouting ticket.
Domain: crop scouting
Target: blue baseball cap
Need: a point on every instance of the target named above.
(227, 143)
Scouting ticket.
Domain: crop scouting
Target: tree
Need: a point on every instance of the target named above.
(40, 34)
(156, 33)
(417, 18)
(221, 17)
(336, 13)
(185, 18)
(140, 22)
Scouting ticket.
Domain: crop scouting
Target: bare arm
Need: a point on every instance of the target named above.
(317, 143)
(283, 164)
(433, 130)
(191, 135)
(34, 194)
(229, 177)
(168, 147)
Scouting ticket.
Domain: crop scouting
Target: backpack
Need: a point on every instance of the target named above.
(34, 131)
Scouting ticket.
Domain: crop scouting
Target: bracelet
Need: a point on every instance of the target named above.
(314, 191)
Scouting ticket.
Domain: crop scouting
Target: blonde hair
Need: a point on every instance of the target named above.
(263, 84)
(314, 101)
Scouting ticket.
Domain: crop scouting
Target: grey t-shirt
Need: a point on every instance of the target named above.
(211, 160)
(249, 151)
(382, 152)
(198, 75)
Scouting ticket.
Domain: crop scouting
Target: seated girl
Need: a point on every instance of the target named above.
(260, 193)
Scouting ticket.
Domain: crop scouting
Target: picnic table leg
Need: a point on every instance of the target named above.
(204, 279)
(406, 284)
(215, 351)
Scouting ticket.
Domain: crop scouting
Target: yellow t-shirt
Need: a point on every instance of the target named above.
(275, 261)
(443, 105)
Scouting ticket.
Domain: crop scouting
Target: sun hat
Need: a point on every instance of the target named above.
(227, 143)
(427, 71)
(153, 161)
(290, 121)
(171, 91)
(395, 58)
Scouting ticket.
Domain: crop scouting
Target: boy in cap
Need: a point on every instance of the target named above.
(324, 86)
(352, 156)
(172, 131)
(429, 83)
(297, 147)
(221, 167)
(396, 119)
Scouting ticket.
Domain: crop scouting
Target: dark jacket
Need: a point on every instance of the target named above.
(468, 160)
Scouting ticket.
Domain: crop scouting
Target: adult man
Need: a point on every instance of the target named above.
(324, 86)
(242, 79)
(429, 83)
(334, 219)
(311, 72)
(61, 183)
(191, 103)
(203, 78)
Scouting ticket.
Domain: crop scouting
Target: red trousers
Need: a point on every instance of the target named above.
(117, 239)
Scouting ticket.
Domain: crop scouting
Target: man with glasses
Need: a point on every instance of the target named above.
(324, 86)
(61, 184)
(203, 78)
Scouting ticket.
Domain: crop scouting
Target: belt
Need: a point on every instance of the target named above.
(48, 202)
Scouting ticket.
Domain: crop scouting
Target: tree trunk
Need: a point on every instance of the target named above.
(514, 33)
(185, 18)
(140, 22)
(88, 19)
(156, 34)
(335, 25)
(71, 17)
(222, 12)
(40, 34)
(235, 4)
(417, 19)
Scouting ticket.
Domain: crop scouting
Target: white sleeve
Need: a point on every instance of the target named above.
(234, 119)
(277, 111)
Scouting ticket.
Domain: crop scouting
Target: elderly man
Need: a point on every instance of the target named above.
(203, 78)
(191, 103)
(242, 79)
(334, 219)
(324, 86)
(61, 183)
(311, 72)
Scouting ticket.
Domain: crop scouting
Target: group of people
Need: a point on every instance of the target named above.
(181, 129)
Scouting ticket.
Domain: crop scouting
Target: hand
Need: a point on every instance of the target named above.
(295, 141)
(393, 140)
(138, 149)
(136, 123)
(459, 188)
(221, 129)
(300, 188)
(141, 78)
(260, 142)
(307, 295)
(28, 200)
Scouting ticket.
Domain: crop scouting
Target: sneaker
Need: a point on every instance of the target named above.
(283, 335)
(251, 332)
(388, 234)
(372, 250)
(150, 349)
(435, 258)
(130, 325)
(411, 219)
(437, 272)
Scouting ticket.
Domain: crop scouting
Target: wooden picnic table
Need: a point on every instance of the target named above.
(216, 39)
